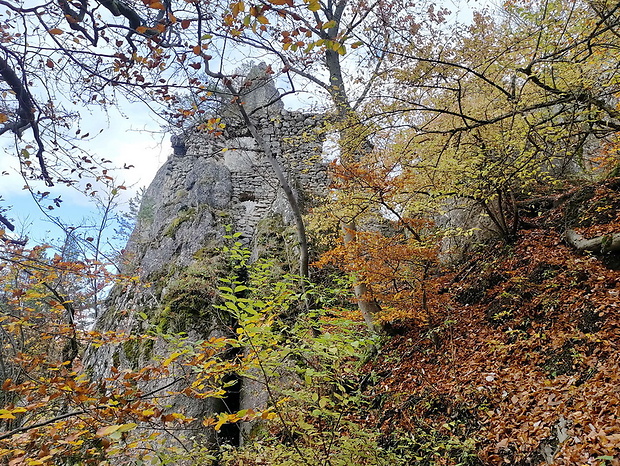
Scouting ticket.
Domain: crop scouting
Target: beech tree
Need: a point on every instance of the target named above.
(509, 107)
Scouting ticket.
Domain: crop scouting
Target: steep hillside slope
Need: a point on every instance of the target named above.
(521, 363)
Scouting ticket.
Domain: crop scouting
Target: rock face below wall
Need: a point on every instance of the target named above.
(207, 184)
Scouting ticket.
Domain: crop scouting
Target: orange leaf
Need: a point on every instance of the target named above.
(55, 31)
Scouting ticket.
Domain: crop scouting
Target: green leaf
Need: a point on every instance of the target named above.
(127, 427)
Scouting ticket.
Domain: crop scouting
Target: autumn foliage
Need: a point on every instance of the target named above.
(464, 153)
(523, 362)
(53, 411)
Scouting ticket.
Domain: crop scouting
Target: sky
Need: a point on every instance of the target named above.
(133, 137)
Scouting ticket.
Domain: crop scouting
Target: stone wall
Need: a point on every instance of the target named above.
(224, 180)
(295, 140)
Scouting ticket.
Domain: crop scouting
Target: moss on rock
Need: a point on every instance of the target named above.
(185, 215)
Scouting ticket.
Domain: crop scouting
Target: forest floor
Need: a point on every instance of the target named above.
(521, 363)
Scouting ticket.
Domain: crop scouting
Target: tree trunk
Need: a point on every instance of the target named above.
(369, 308)
(599, 245)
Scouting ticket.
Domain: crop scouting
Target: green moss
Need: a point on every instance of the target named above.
(190, 296)
(148, 346)
(277, 241)
(116, 359)
(131, 348)
(184, 216)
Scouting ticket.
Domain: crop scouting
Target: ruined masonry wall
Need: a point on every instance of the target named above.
(207, 183)
(295, 140)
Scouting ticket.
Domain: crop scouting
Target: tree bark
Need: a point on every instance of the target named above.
(277, 168)
(599, 245)
(368, 307)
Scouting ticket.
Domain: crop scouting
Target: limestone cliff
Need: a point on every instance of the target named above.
(210, 183)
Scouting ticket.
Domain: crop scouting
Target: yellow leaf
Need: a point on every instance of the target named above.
(261, 19)
(103, 431)
(314, 5)
(237, 8)
(172, 357)
(128, 426)
(268, 415)
(223, 419)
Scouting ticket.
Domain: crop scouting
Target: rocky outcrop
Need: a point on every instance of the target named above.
(211, 184)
